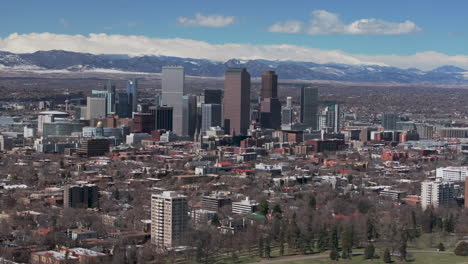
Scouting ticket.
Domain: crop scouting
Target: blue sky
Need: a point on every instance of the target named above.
(440, 26)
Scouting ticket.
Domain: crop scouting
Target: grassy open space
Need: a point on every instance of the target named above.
(419, 258)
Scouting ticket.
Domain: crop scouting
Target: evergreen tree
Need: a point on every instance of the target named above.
(369, 252)
(386, 256)
(334, 255)
(215, 220)
(263, 207)
(277, 209)
(371, 231)
(441, 247)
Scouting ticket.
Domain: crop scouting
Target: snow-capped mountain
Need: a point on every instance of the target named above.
(72, 61)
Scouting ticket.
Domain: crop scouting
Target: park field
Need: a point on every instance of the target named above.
(418, 258)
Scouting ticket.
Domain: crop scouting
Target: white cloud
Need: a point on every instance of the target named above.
(324, 22)
(206, 21)
(291, 26)
(140, 45)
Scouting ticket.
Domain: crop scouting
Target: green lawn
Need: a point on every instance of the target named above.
(419, 258)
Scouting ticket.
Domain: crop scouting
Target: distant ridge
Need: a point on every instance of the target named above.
(73, 62)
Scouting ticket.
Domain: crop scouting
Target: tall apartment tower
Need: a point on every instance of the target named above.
(309, 107)
(173, 89)
(132, 92)
(436, 194)
(168, 219)
(96, 108)
(389, 121)
(80, 196)
(236, 103)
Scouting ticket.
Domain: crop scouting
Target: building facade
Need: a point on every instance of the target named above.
(236, 103)
(309, 107)
(436, 194)
(168, 219)
(173, 90)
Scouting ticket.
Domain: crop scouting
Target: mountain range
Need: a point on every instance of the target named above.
(76, 62)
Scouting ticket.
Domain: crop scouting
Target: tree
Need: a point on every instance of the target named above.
(281, 244)
(322, 240)
(347, 242)
(461, 249)
(369, 252)
(441, 247)
(263, 207)
(267, 248)
(386, 256)
(371, 231)
(277, 209)
(215, 220)
(403, 249)
(449, 224)
(334, 255)
(334, 238)
(312, 202)
(260, 247)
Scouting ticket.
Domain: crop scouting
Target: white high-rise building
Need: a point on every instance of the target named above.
(437, 193)
(173, 90)
(168, 219)
(452, 174)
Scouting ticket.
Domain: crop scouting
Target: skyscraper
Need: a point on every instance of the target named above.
(213, 96)
(173, 90)
(236, 101)
(110, 88)
(287, 113)
(330, 118)
(123, 108)
(270, 106)
(132, 92)
(189, 115)
(164, 117)
(269, 85)
(109, 94)
(211, 116)
(168, 219)
(389, 121)
(309, 107)
(96, 108)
